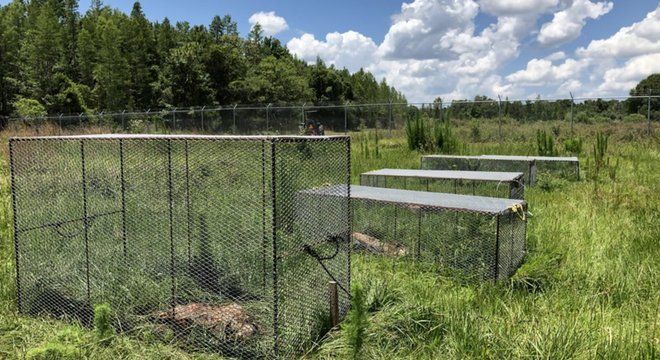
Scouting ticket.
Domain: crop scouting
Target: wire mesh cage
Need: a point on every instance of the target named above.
(521, 164)
(201, 236)
(565, 167)
(482, 183)
(468, 237)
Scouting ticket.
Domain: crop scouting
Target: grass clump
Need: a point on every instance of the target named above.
(355, 325)
(54, 351)
(102, 323)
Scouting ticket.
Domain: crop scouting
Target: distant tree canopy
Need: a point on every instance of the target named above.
(54, 59)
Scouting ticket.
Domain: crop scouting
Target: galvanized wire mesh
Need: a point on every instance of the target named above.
(482, 183)
(469, 237)
(200, 236)
(524, 165)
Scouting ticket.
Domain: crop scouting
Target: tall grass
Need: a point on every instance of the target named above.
(589, 288)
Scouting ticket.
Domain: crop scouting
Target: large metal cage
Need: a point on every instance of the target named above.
(197, 236)
(467, 237)
(482, 183)
(522, 164)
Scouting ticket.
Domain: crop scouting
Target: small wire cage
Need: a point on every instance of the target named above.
(481, 183)
(521, 164)
(202, 235)
(467, 237)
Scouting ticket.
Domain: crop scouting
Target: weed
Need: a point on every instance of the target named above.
(103, 323)
(356, 322)
(545, 144)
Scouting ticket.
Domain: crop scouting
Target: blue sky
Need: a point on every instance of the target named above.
(456, 48)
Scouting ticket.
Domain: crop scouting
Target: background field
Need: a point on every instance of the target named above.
(589, 287)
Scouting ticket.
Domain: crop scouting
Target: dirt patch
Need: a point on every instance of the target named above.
(377, 245)
(229, 322)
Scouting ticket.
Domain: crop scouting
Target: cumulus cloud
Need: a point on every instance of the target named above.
(425, 28)
(270, 23)
(640, 38)
(567, 24)
(519, 7)
(433, 48)
(627, 76)
(351, 49)
(559, 55)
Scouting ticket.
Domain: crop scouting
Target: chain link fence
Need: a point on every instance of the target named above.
(202, 237)
(485, 119)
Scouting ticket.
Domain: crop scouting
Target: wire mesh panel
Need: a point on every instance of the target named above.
(202, 236)
(565, 167)
(471, 237)
(521, 164)
(482, 183)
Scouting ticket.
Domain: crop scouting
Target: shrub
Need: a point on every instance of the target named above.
(634, 118)
(573, 145)
(545, 144)
(416, 133)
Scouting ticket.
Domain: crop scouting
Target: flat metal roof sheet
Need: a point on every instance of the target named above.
(449, 174)
(457, 202)
(539, 158)
(453, 156)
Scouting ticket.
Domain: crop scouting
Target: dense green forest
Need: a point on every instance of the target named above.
(55, 60)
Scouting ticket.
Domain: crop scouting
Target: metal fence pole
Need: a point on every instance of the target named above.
(267, 115)
(123, 125)
(234, 118)
(571, 112)
(174, 119)
(499, 117)
(346, 117)
(648, 114)
(203, 107)
(390, 115)
(302, 116)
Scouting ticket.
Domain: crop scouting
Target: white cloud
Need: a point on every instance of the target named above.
(518, 7)
(351, 49)
(270, 23)
(627, 76)
(432, 48)
(425, 28)
(566, 25)
(640, 38)
(555, 56)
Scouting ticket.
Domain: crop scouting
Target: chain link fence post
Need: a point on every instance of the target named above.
(648, 113)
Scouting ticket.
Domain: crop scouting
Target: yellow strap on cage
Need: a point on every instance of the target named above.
(518, 209)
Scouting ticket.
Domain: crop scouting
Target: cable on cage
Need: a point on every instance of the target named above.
(313, 253)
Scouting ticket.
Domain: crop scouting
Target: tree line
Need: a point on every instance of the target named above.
(634, 108)
(55, 60)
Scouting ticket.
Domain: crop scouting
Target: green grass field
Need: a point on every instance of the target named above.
(589, 287)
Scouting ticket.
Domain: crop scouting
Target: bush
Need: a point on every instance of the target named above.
(29, 108)
(426, 134)
(634, 118)
(573, 145)
(545, 144)
(417, 133)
